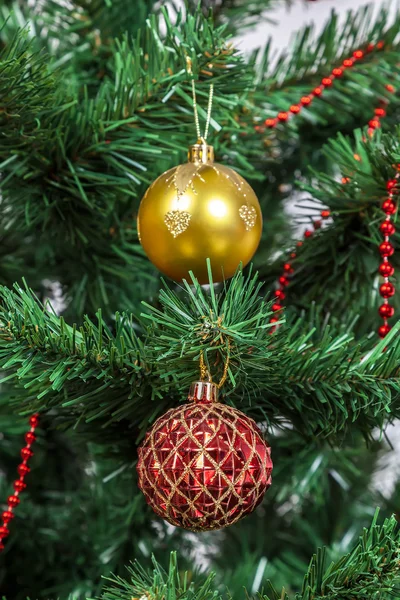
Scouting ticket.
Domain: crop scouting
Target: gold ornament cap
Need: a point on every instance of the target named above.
(201, 153)
(203, 391)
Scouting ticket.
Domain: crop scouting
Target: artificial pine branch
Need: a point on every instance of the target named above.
(370, 569)
(322, 384)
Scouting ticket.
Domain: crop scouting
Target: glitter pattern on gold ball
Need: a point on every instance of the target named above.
(196, 211)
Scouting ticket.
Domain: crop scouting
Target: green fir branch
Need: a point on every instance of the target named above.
(370, 570)
(322, 384)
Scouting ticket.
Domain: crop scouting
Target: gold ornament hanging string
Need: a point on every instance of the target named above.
(200, 137)
(205, 373)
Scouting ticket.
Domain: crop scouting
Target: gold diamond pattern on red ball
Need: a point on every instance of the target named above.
(204, 466)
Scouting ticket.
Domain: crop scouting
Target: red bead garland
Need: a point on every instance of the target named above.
(326, 82)
(386, 249)
(288, 270)
(19, 484)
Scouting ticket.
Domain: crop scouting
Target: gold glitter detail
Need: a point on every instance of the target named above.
(184, 176)
(177, 221)
(249, 216)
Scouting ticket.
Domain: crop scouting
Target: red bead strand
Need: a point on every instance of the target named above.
(19, 484)
(379, 113)
(327, 82)
(386, 249)
(288, 270)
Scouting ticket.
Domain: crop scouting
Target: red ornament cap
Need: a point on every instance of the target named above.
(204, 465)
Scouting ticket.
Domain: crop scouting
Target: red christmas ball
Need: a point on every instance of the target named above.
(204, 465)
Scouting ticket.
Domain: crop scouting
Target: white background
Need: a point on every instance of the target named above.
(288, 20)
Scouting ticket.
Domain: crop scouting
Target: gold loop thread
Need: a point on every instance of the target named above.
(205, 374)
(200, 137)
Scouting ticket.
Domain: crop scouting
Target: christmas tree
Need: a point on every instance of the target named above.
(96, 103)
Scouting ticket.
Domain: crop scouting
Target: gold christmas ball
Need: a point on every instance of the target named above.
(196, 211)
